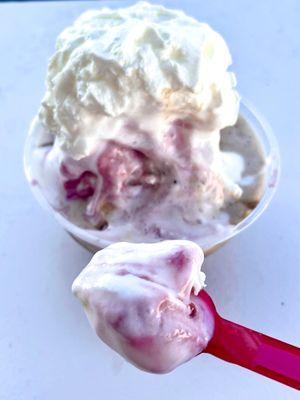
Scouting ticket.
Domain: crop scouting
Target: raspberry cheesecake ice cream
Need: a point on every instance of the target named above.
(138, 137)
(141, 299)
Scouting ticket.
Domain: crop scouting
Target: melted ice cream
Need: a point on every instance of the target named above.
(141, 300)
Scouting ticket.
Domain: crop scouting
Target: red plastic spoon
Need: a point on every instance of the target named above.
(253, 350)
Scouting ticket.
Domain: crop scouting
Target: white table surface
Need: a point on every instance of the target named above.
(47, 349)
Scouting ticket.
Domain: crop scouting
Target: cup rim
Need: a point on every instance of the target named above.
(263, 131)
(273, 164)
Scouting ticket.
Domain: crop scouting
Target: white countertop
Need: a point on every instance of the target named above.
(47, 349)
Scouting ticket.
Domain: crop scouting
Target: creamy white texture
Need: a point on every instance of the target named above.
(136, 100)
(141, 300)
(139, 60)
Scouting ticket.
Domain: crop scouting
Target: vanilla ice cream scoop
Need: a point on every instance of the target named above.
(129, 139)
(141, 301)
(135, 60)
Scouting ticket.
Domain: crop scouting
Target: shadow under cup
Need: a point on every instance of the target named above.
(91, 239)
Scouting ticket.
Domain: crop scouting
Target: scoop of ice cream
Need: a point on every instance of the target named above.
(136, 99)
(141, 301)
(135, 60)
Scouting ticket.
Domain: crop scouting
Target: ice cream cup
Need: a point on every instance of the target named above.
(93, 242)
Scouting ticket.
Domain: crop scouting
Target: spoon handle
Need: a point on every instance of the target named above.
(253, 350)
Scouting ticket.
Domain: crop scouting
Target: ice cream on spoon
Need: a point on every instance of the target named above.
(142, 301)
(146, 301)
